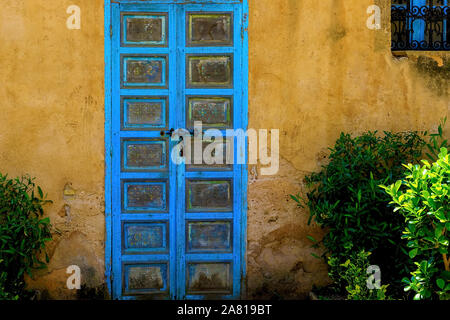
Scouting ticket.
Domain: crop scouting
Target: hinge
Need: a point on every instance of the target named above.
(110, 31)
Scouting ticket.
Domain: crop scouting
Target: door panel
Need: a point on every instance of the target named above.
(144, 113)
(144, 29)
(209, 71)
(209, 29)
(176, 229)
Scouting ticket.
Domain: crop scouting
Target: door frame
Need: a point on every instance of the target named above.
(108, 130)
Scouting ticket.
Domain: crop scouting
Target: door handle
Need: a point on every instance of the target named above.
(167, 133)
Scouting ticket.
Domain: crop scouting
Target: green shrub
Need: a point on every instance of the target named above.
(423, 199)
(23, 234)
(344, 198)
(4, 295)
(355, 276)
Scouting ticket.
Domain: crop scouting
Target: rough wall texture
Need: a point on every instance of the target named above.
(52, 126)
(315, 70)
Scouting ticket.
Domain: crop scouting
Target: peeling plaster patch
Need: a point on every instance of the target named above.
(69, 192)
(279, 258)
(435, 71)
(73, 249)
(439, 60)
(65, 213)
(253, 174)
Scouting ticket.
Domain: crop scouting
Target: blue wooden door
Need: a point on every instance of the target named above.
(175, 231)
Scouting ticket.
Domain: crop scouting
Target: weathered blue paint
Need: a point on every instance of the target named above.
(209, 236)
(244, 125)
(127, 42)
(209, 195)
(145, 237)
(161, 242)
(152, 111)
(212, 112)
(108, 147)
(145, 278)
(144, 196)
(144, 155)
(155, 71)
(214, 278)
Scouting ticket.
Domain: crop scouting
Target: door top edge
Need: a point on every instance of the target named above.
(175, 1)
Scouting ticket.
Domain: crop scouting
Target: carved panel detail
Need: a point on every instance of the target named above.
(209, 195)
(211, 236)
(144, 155)
(145, 278)
(144, 196)
(144, 113)
(144, 30)
(145, 237)
(213, 112)
(209, 278)
(144, 71)
(210, 71)
(210, 29)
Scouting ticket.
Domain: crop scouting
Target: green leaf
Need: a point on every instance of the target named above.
(438, 231)
(440, 283)
(294, 198)
(440, 215)
(345, 264)
(22, 233)
(315, 255)
(41, 194)
(397, 185)
(413, 253)
(406, 280)
(45, 221)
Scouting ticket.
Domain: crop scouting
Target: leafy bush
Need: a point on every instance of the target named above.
(423, 199)
(344, 198)
(355, 275)
(23, 234)
(4, 295)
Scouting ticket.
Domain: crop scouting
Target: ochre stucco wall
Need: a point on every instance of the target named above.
(315, 70)
(52, 125)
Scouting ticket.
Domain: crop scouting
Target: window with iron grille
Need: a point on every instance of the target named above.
(420, 25)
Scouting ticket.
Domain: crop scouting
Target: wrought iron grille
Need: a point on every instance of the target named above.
(420, 25)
